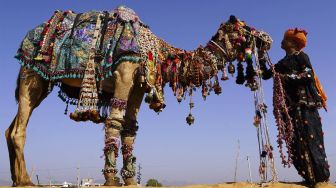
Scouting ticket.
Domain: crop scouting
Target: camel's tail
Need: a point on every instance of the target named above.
(17, 92)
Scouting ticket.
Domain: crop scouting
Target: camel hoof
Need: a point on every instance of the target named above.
(110, 179)
(23, 184)
(129, 181)
(112, 183)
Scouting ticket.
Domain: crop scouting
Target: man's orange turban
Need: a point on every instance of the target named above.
(298, 36)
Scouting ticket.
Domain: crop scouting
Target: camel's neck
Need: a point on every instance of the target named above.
(188, 69)
(181, 69)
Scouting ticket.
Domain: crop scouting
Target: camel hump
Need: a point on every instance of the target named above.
(126, 14)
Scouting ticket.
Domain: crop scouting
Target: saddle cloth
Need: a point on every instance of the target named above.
(61, 47)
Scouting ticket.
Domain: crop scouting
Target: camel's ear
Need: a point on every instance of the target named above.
(233, 19)
(220, 35)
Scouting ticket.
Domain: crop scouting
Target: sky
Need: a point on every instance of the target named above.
(167, 148)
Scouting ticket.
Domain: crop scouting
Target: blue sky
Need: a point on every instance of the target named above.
(166, 146)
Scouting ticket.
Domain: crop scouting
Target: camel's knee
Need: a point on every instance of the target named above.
(115, 119)
(128, 141)
(7, 134)
(9, 129)
(113, 131)
(18, 140)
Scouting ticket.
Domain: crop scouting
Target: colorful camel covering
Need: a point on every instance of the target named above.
(62, 47)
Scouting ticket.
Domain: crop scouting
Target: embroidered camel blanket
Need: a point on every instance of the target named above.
(61, 47)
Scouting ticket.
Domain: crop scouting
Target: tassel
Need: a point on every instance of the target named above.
(240, 75)
(66, 108)
(190, 118)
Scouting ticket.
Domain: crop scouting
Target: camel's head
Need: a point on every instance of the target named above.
(234, 38)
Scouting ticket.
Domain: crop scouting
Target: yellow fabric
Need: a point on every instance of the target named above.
(320, 91)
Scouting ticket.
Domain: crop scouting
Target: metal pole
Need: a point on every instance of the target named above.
(249, 166)
(38, 181)
(78, 177)
(235, 176)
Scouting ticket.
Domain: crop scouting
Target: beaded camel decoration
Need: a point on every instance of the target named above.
(105, 63)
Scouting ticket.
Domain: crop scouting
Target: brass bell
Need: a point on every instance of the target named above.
(231, 68)
(190, 119)
(179, 98)
(141, 79)
(217, 89)
(224, 75)
(253, 86)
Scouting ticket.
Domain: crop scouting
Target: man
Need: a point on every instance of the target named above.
(304, 96)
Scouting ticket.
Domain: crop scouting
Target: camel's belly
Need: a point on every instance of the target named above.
(107, 83)
(72, 82)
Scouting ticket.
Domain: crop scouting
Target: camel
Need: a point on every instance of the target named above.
(136, 62)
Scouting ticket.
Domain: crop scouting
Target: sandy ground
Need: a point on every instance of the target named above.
(239, 185)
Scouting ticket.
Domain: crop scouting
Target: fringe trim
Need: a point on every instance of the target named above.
(79, 74)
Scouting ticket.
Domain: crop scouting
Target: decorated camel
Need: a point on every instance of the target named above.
(105, 62)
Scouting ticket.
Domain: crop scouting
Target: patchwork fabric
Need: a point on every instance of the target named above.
(60, 48)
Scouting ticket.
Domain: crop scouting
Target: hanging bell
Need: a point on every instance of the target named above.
(231, 68)
(254, 86)
(179, 98)
(217, 89)
(224, 75)
(190, 119)
(141, 79)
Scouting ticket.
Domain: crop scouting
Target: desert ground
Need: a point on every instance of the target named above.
(240, 185)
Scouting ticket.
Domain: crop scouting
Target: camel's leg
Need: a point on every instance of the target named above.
(123, 82)
(128, 135)
(32, 89)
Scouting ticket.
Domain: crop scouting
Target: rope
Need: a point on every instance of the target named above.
(218, 46)
(263, 128)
